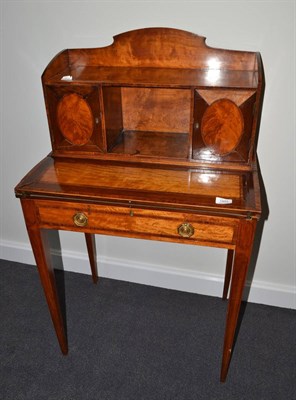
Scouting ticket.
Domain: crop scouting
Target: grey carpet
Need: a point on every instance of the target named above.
(133, 342)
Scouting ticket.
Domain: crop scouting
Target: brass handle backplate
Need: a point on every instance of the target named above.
(80, 219)
(186, 230)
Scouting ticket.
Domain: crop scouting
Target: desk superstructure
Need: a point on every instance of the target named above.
(152, 137)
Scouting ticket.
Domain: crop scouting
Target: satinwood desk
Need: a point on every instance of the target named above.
(153, 137)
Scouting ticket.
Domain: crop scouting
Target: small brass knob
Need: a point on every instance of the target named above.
(186, 230)
(80, 219)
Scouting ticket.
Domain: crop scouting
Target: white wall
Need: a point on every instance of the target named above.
(33, 32)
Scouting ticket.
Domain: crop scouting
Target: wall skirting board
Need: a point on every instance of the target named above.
(155, 275)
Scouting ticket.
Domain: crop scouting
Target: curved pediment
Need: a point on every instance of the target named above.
(162, 48)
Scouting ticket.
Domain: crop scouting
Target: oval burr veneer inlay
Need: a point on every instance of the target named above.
(75, 119)
(222, 126)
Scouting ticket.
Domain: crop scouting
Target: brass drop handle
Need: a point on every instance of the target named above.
(80, 219)
(186, 230)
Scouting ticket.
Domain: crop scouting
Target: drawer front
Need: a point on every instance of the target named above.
(143, 223)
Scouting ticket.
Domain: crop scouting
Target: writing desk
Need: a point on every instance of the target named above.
(153, 137)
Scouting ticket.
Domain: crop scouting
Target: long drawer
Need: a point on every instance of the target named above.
(136, 222)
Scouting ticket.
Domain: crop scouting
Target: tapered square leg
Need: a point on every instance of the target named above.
(92, 255)
(41, 250)
(241, 261)
(228, 272)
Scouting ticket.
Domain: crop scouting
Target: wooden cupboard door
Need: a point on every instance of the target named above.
(223, 125)
(75, 119)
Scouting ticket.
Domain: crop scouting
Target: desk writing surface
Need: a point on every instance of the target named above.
(194, 189)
